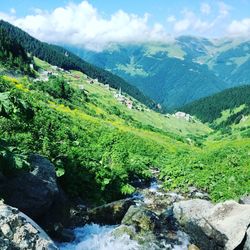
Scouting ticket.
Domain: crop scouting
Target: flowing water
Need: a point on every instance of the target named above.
(96, 237)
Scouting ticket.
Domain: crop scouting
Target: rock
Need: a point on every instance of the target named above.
(245, 200)
(195, 193)
(142, 218)
(111, 213)
(222, 226)
(2, 183)
(37, 194)
(247, 242)
(124, 229)
(191, 209)
(34, 192)
(193, 247)
(17, 231)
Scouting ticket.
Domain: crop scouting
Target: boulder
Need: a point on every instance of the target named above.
(2, 183)
(37, 194)
(18, 231)
(247, 242)
(184, 211)
(193, 247)
(245, 200)
(141, 218)
(34, 192)
(222, 226)
(124, 229)
(111, 213)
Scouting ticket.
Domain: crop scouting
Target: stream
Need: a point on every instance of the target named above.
(97, 237)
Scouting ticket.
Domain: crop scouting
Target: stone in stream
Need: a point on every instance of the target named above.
(141, 218)
(17, 231)
(221, 226)
(111, 213)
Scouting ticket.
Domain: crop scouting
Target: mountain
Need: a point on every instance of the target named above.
(12, 54)
(179, 72)
(211, 108)
(100, 147)
(62, 58)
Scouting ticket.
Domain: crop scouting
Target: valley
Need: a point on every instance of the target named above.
(176, 73)
(80, 145)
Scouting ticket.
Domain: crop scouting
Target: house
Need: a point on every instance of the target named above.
(106, 86)
(182, 115)
(129, 104)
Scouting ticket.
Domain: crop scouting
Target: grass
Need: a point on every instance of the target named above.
(220, 166)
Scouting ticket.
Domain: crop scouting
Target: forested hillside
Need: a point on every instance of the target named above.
(178, 72)
(159, 70)
(210, 108)
(12, 54)
(100, 147)
(60, 57)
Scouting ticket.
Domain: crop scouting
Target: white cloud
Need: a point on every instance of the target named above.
(82, 24)
(239, 27)
(224, 9)
(191, 22)
(205, 8)
(13, 11)
(171, 19)
(7, 17)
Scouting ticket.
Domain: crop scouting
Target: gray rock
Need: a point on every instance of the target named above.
(247, 242)
(17, 231)
(33, 193)
(111, 213)
(191, 209)
(124, 229)
(222, 226)
(141, 218)
(245, 200)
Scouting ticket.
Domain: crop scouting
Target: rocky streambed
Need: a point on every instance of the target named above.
(151, 219)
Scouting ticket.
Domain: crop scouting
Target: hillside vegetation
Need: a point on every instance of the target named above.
(177, 72)
(100, 147)
(210, 108)
(62, 58)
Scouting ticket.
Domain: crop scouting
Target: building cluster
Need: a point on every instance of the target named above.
(45, 74)
(124, 100)
(183, 116)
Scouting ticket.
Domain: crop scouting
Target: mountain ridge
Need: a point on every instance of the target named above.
(56, 55)
(168, 73)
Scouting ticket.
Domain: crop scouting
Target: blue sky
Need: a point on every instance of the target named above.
(106, 21)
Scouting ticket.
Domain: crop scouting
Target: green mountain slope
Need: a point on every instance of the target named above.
(166, 79)
(210, 108)
(177, 73)
(100, 147)
(62, 58)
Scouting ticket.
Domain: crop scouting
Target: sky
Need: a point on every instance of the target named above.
(94, 24)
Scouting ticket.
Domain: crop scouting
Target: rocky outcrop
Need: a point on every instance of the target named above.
(17, 231)
(222, 226)
(34, 192)
(37, 194)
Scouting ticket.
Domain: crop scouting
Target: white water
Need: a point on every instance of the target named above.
(95, 237)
